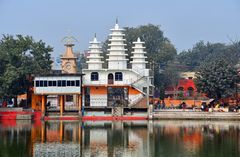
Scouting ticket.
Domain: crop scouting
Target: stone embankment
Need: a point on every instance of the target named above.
(16, 114)
(194, 115)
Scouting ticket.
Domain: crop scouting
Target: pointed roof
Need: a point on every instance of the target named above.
(116, 27)
(138, 52)
(69, 51)
(69, 40)
(94, 58)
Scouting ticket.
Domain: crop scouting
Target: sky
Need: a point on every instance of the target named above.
(184, 22)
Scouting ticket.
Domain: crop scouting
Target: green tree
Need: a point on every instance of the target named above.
(81, 62)
(192, 58)
(158, 47)
(216, 77)
(201, 51)
(168, 77)
(21, 56)
(172, 77)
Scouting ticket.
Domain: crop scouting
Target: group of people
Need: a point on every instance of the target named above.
(160, 104)
(212, 106)
(7, 103)
(183, 105)
(10, 103)
(219, 106)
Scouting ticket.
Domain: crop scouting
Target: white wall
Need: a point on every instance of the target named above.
(128, 77)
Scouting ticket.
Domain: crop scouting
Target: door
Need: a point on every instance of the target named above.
(110, 79)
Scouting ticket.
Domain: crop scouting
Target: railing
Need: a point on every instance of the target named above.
(141, 83)
(138, 80)
(105, 82)
(136, 99)
(141, 72)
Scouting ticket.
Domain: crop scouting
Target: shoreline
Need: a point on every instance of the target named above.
(19, 114)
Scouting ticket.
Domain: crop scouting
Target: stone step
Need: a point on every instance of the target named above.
(24, 116)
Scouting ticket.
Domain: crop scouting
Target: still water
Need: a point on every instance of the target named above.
(120, 139)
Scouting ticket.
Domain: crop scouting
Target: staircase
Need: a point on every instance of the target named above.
(141, 103)
(138, 79)
(134, 100)
(139, 84)
(117, 111)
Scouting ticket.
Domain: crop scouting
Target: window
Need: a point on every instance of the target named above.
(50, 83)
(45, 83)
(63, 83)
(37, 83)
(72, 83)
(41, 83)
(54, 83)
(69, 98)
(118, 76)
(59, 83)
(145, 89)
(180, 88)
(77, 83)
(94, 76)
(68, 83)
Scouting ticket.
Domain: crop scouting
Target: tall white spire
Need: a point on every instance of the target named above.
(138, 62)
(117, 57)
(94, 59)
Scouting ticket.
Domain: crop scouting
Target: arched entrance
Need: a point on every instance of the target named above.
(110, 78)
(190, 91)
(180, 91)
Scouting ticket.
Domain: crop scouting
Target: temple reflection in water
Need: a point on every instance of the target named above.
(89, 139)
(138, 138)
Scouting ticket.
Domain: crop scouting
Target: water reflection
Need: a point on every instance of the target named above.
(116, 139)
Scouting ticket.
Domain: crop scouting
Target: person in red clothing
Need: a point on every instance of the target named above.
(4, 104)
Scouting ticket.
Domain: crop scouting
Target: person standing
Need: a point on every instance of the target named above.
(158, 105)
(163, 105)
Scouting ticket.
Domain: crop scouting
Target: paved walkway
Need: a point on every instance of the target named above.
(195, 115)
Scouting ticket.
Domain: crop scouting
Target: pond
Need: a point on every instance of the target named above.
(120, 139)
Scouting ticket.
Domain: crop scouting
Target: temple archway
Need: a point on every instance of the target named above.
(110, 78)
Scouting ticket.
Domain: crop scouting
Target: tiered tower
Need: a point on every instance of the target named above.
(95, 57)
(138, 62)
(117, 57)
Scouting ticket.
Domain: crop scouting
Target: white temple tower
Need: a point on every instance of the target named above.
(138, 62)
(117, 57)
(95, 57)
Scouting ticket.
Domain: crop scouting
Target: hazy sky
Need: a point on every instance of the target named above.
(184, 22)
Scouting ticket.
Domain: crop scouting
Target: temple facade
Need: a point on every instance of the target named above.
(117, 84)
